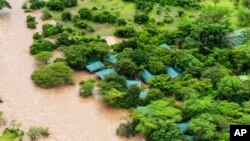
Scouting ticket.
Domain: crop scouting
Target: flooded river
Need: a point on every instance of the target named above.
(69, 117)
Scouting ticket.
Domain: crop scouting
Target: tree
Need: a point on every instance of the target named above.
(37, 4)
(43, 57)
(231, 88)
(86, 87)
(122, 67)
(153, 95)
(69, 3)
(154, 116)
(4, 3)
(35, 132)
(31, 22)
(241, 58)
(156, 67)
(55, 5)
(46, 15)
(51, 30)
(141, 19)
(202, 129)
(132, 96)
(125, 32)
(85, 14)
(114, 97)
(41, 45)
(66, 16)
(243, 16)
(52, 75)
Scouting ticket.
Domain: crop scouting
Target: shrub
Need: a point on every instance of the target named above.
(86, 87)
(104, 17)
(41, 45)
(50, 30)
(64, 39)
(81, 25)
(55, 5)
(37, 36)
(66, 16)
(244, 17)
(125, 32)
(36, 4)
(43, 57)
(126, 129)
(141, 18)
(31, 22)
(85, 14)
(2, 119)
(53, 75)
(35, 132)
(46, 15)
(69, 3)
(121, 22)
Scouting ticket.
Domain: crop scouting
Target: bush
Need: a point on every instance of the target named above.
(43, 57)
(2, 119)
(37, 36)
(35, 132)
(31, 22)
(64, 39)
(36, 4)
(244, 17)
(125, 32)
(66, 16)
(85, 14)
(41, 45)
(81, 25)
(50, 30)
(104, 17)
(86, 87)
(46, 15)
(141, 18)
(126, 129)
(121, 22)
(53, 75)
(55, 5)
(69, 3)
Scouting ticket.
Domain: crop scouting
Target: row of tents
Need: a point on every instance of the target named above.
(99, 68)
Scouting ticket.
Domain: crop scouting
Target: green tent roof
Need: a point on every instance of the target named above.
(145, 75)
(143, 94)
(95, 66)
(133, 82)
(103, 73)
(111, 58)
(171, 72)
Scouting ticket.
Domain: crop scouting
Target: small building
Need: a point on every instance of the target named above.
(145, 75)
(103, 73)
(129, 83)
(95, 66)
(166, 46)
(171, 72)
(110, 58)
(143, 94)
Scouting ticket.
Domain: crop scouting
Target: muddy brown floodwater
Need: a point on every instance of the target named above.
(69, 117)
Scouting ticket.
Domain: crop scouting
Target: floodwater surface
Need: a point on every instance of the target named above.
(69, 117)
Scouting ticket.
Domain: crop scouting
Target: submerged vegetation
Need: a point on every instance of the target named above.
(193, 54)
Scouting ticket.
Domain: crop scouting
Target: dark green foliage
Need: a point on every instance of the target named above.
(122, 67)
(66, 16)
(104, 17)
(35, 132)
(126, 129)
(244, 17)
(85, 14)
(55, 5)
(53, 75)
(246, 3)
(31, 22)
(36, 4)
(69, 3)
(78, 55)
(64, 40)
(141, 19)
(41, 45)
(121, 22)
(125, 32)
(153, 95)
(4, 3)
(37, 36)
(86, 87)
(231, 88)
(81, 24)
(156, 67)
(50, 30)
(46, 15)
(43, 57)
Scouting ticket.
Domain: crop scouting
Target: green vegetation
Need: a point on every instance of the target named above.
(197, 52)
(35, 132)
(46, 15)
(53, 75)
(13, 133)
(31, 22)
(86, 87)
(43, 57)
(4, 3)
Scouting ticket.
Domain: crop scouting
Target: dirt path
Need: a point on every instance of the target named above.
(69, 117)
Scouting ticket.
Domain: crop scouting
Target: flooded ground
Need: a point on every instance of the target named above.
(69, 117)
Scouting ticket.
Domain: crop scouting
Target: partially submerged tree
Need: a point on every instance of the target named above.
(4, 3)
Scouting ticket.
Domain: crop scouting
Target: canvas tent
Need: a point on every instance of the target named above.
(103, 73)
(95, 66)
(145, 75)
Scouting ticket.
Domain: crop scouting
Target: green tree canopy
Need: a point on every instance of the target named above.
(4, 3)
